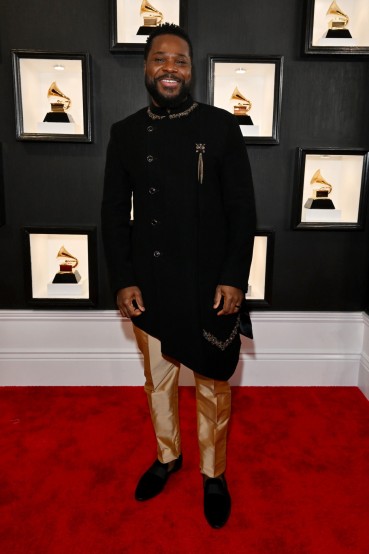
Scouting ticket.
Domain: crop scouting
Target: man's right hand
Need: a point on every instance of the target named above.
(125, 302)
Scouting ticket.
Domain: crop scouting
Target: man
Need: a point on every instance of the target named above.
(181, 270)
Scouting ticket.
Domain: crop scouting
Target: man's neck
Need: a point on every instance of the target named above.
(169, 106)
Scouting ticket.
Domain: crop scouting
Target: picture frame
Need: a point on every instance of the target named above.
(259, 293)
(2, 192)
(338, 27)
(129, 31)
(331, 189)
(250, 88)
(51, 257)
(52, 92)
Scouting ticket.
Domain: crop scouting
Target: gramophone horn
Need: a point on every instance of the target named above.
(63, 253)
(334, 9)
(319, 179)
(244, 105)
(237, 95)
(147, 8)
(54, 92)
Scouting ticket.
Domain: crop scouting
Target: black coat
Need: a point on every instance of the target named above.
(188, 236)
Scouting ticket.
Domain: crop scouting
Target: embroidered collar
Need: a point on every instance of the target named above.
(183, 110)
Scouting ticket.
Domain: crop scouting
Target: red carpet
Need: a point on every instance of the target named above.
(70, 457)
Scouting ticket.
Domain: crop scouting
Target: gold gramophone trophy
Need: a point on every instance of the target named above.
(59, 104)
(67, 268)
(151, 18)
(321, 190)
(241, 107)
(337, 26)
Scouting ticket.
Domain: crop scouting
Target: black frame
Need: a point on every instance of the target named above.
(24, 134)
(310, 48)
(57, 302)
(2, 193)
(267, 300)
(137, 47)
(298, 194)
(213, 59)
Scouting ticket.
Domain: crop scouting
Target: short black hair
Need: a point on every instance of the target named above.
(167, 29)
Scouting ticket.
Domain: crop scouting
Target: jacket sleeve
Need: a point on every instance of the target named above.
(239, 206)
(115, 216)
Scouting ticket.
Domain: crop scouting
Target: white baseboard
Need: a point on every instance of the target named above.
(364, 361)
(98, 348)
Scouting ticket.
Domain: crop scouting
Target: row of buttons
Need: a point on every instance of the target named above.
(153, 190)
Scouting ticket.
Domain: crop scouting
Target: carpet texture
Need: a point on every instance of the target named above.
(70, 457)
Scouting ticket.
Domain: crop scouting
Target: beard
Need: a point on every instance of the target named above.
(170, 101)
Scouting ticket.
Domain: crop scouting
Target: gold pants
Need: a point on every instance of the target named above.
(213, 402)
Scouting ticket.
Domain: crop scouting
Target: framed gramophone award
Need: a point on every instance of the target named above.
(61, 266)
(52, 96)
(337, 27)
(331, 189)
(251, 89)
(131, 21)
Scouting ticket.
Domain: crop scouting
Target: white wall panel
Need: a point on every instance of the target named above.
(98, 348)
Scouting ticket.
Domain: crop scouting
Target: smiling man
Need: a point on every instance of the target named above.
(171, 86)
(180, 271)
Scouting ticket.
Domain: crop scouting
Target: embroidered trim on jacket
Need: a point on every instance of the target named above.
(172, 115)
(222, 344)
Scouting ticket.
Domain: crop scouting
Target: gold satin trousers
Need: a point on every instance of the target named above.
(213, 404)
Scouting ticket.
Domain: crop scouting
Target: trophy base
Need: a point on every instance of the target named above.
(338, 33)
(319, 204)
(57, 128)
(145, 29)
(58, 117)
(335, 41)
(68, 290)
(67, 277)
(321, 216)
(244, 119)
(250, 130)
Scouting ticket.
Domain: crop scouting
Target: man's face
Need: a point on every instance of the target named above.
(168, 71)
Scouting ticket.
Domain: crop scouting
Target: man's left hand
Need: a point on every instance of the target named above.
(232, 299)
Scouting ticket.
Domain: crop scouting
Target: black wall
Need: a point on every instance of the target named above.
(324, 103)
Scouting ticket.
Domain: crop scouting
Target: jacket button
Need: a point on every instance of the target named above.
(150, 128)
(157, 254)
(150, 159)
(152, 190)
(154, 222)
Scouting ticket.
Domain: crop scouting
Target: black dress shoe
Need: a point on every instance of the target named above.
(154, 479)
(217, 502)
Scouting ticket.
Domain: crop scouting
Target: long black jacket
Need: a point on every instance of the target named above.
(194, 221)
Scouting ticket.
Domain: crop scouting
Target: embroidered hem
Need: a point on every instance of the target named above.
(222, 344)
(172, 115)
